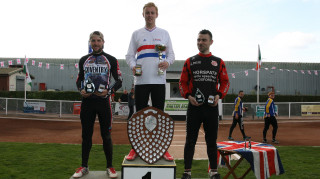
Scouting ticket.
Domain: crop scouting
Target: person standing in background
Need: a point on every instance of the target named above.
(123, 97)
(131, 103)
(270, 118)
(237, 116)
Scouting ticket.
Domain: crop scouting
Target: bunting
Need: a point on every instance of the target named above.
(233, 74)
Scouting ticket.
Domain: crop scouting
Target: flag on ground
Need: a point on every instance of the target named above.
(25, 70)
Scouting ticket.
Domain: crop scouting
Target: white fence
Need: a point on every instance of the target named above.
(50, 108)
(70, 109)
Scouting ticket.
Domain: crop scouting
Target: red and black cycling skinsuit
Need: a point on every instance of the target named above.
(208, 74)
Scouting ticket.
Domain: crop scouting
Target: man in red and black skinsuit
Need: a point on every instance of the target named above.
(208, 74)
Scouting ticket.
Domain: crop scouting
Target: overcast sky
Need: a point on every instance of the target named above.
(287, 30)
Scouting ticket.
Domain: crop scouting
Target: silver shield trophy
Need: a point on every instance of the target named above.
(150, 133)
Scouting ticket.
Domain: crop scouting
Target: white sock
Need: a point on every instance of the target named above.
(213, 172)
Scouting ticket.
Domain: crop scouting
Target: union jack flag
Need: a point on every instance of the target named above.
(263, 158)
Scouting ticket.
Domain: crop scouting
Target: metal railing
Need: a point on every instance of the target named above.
(65, 109)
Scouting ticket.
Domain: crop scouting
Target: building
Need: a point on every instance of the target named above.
(285, 78)
(12, 79)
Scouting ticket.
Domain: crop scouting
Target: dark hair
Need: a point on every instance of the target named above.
(240, 91)
(205, 31)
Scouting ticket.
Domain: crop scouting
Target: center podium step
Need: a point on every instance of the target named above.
(138, 169)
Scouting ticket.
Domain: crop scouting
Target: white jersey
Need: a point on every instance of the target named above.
(142, 51)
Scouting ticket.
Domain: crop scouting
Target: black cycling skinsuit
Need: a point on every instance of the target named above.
(99, 67)
(204, 72)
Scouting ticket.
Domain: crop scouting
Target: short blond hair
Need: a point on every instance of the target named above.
(270, 93)
(150, 4)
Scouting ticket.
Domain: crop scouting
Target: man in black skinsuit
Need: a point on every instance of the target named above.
(97, 66)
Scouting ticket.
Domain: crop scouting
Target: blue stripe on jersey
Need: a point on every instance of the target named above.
(145, 55)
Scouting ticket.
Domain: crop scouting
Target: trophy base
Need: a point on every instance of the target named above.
(140, 169)
(160, 73)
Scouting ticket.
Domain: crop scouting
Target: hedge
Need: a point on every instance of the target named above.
(75, 96)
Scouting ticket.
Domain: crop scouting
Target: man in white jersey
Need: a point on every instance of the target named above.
(142, 53)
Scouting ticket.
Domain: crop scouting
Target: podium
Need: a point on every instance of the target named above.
(138, 169)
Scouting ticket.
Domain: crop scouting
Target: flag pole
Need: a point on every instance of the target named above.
(258, 72)
(25, 82)
(258, 85)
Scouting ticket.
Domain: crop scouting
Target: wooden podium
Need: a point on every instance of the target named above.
(138, 169)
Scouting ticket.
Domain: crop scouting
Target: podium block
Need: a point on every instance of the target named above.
(138, 169)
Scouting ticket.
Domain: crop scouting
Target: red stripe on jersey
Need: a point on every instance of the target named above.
(144, 47)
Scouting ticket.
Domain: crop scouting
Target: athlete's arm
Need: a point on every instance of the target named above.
(185, 80)
(131, 54)
(223, 80)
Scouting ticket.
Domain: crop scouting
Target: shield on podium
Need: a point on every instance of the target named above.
(150, 133)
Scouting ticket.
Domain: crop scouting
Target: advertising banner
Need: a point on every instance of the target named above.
(176, 105)
(34, 107)
(122, 109)
(310, 110)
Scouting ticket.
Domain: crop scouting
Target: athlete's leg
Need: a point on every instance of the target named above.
(210, 125)
(87, 116)
(158, 94)
(240, 120)
(266, 127)
(274, 124)
(233, 125)
(193, 124)
(105, 119)
(142, 93)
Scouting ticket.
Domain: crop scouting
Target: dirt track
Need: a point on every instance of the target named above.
(290, 132)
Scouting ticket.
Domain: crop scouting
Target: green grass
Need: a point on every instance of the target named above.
(55, 161)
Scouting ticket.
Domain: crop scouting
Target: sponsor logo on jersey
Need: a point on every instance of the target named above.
(159, 40)
(214, 63)
(195, 63)
(96, 69)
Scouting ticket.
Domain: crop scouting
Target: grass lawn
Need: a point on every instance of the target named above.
(59, 161)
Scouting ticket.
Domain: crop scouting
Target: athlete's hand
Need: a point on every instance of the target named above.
(163, 65)
(104, 93)
(193, 101)
(134, 70)
(84, 93)
(236, 116)
(216, 100)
